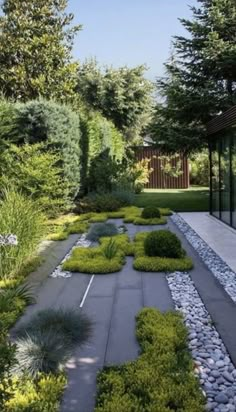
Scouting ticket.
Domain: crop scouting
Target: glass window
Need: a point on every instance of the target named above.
(225, 179)
(215, 199)
(233, 189)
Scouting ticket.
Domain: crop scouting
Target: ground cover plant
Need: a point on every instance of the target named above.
(94, 260)
(162, 252)
(138, 216)
(99, 230)
(161, 379)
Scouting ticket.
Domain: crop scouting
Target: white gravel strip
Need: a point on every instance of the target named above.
(213, 365)
(217, 266)
(58, 272)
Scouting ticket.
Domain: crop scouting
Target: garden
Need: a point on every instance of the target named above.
(123, 316)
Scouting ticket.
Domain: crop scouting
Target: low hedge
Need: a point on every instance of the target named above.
(163, 243)
(150, 212)
(92, 260)
(161, 379)
(123, 243)
(154, 221)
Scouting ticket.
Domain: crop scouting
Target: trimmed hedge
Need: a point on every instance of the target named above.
(150, 212)
(145, 263)
(163, 243)
(161, 379)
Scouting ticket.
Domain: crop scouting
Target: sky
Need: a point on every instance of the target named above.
(128, 32)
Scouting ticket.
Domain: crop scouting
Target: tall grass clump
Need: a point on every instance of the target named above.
(21, 217)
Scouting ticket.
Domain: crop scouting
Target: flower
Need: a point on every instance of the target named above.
(8, 240)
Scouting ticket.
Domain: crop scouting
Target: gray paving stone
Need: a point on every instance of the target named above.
(156, 291)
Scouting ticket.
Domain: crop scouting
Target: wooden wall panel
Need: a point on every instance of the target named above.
(157, 179)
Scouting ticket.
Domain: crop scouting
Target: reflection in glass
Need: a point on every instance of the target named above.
(225, 179)
(215, 206)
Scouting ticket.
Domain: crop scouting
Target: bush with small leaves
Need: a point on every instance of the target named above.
(99, 230)
(163, 243)
(150, 212)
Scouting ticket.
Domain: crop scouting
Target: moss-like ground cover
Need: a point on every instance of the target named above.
(145, 263)
(161, 379)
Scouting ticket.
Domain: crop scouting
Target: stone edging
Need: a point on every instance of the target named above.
(217, 266)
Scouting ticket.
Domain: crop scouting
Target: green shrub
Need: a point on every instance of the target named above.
(20, 216)
(145, 263)
(150, 212)
(95, 202)
(77, 227)
(126, 198)
(74, 326)
(153, 221)
(92, 260)
(101, 230)
(59, 127)
(163, 243)
(7, 359)
(161, 379)
(42, 394)
(36, 172)
(98, 218)
(46, 342)
(200, 168)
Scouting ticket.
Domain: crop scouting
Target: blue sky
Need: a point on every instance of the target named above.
(128, 32)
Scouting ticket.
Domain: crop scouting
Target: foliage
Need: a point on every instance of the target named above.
(42, 394)
(92, 260)
(200, 169)
(22, 217)
(97, 202)
(46, 342)
(103, 171)
(56, 125)
(122, 95)
(140, 173)
(161, 379)
(36, 172)
(75, 327)
(9, 295)
(163, 243)
(7, 358)
(36, 50)
(122, 242)
(110, 249)
(125, 197)
(147, 263)
(150, 212)
(8, 124)
(171, 166)
(201, 76)
(101, 230)
(133, 215)
(152, 221)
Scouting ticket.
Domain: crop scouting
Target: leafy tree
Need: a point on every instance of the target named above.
(122, 95)
(36, 40)
(201, 77)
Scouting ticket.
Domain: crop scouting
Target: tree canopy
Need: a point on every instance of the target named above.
(122, 95)
(200, 77)
(36, 39)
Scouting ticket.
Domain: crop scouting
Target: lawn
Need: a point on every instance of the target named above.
(194, 199)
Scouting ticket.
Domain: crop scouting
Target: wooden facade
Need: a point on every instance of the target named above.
(158, 179)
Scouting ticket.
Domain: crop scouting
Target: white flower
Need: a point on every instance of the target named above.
(8, 240)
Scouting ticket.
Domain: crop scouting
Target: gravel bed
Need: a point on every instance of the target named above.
(58, 272)
(212, 362)
(217, 266)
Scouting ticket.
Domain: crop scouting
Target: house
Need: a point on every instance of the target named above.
(222, 144)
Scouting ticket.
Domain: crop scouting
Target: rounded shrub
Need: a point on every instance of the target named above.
(101, 230)
(150, 212)
(163, 243)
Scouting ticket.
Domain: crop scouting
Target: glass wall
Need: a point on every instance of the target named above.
(223, 176)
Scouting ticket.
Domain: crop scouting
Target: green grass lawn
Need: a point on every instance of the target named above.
(194, 199)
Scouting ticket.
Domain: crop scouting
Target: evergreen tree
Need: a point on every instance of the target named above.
(201, 77)
(36, 40)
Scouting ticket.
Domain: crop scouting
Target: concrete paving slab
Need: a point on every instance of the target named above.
(103, 285)
(129, 278)
(122, 344)
(156, 291)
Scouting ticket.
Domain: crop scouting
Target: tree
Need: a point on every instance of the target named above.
(36, 40)
(201, 77)
(122, 95)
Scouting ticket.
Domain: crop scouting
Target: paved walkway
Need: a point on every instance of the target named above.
(220, 237)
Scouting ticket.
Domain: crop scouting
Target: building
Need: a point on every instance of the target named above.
(222, 143)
